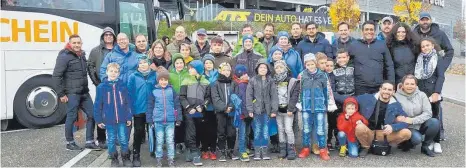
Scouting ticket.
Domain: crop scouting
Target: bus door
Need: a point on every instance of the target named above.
(136, 17)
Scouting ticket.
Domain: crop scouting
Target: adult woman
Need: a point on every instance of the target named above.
(159, 55)
(417, 106)
(403, 46)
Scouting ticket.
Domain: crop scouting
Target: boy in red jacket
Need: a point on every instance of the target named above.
(346, 124)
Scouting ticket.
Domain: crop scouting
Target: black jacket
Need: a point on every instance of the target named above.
(204, 50)
(294, 42)
(404, 58)
(96, 57)
(337, 44)
(372, 63)
(342, 82)
(434, 84)
(442, 39)
(248, 59)
(70, 73)
(221, 92)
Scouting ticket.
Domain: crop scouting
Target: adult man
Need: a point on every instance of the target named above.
(181, 37)
(269, 40)
(387, 25)
(344, 38)
(296, 34)
(258, 47)
(381, 110)
(372, 61)
(124, 56)
(98, 53)
(141, 45)
(201, 43)
(426, 28)
(70, 77)
(314, 42)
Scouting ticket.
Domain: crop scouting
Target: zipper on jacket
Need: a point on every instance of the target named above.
(121, 98)
(164, 106)
(115, 103)
(226, 95)
(108, 97)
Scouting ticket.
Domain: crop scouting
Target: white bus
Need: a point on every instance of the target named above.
(32, 34)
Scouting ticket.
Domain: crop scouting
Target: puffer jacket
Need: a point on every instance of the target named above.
(194, 92)
(248, 59)
(128, 62)
(314, 91)
(348, 126)
(416, 106)
(139, 88)
(404, 58)
(112, 103)
(258, 96)
(320, 44)
(221, 92)
(164, 105)
(70, 72)
(344, 82)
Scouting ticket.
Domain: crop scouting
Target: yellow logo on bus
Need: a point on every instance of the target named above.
(38, 30)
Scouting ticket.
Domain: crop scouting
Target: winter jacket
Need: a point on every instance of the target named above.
(161, 62)
(404, 58)
(320, 44)
(259, 96)
(248, 59)
(164, 105)
(294, 42)
(293, 90)
(221, 92)
(268, 46)
(372, 63)
(174, 48)
(338, 44)
(112, 103)
(70, 72)
(434, 84)
(342, 82)
(314, 88)
(442, 40)
(139, 88)
(241, 92)
(292, 59)
(212, 78)
(128, 62)
(202, 51)
(221, 58)
(194, 92)
(416, 106)
(96, 57)
(257, 46)
(175, 78)
(348, 126)
(367, 105)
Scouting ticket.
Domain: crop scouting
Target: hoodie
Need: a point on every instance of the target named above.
(416, 106)
(261, 95)
(348, 126)
(97, 55)
(320, 44)
(128, 62)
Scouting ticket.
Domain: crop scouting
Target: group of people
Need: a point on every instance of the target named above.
(201, 97)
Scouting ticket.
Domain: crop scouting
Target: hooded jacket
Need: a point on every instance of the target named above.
(320, 44)
(128, 62)
(248, 59)
(372, 63)
(174, 48)
(223, 88)
(348, 126)
(175, 78)
(292, 59)
(194, 92)
(70, 72)
(416, 106)
(404, 58)
(314, 91)
(262, 93)
(442, 40)
(112, 103)
(257, 46)
(163, 105)
(337, 44)
(139, 88)
(97, 55)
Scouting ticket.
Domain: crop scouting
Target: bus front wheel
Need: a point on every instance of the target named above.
(37, 105)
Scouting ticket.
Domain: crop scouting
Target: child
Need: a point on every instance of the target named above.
(163, 114)
(140, 84)
(112, 111)
(209, 124)
(194, 95)
(329, 65)
(261, 102)
(347, 122)
(241, 79)
(321, 61)
(216, 50)
(276, 55)
(289, 54)
(288, 95)
(332, 117)
(314, 98)
(185, 50)
(221, 93)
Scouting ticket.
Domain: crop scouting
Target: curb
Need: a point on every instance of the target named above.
(454, 101)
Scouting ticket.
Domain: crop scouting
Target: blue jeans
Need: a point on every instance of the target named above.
(165, 132)
(314, 123)
(115, 131)
(76, 101)
(429, 128)
(261, 130)
(352, 146)
(242, 137)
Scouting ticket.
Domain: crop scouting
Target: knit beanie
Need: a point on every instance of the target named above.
(162, 73)
(248, 36)
(198, 66)
(177, 56)
(283, 34)
(208, 57)
(240, 70)
(310, 57)
(144, 58)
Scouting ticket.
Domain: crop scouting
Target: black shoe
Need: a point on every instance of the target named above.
(275, 148)
(136, 159)
(73, 146)
(405, 146)
(283, 151)
(152, 154)
(92, 146)
(103, 145)
(114, 158)
(291, 152)
(222, 157)
(425, 150)
(125, 159)
(363, 153)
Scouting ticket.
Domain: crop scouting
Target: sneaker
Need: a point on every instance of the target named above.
(92, 146)
(330, 147)
(73, 146)
(315, 149)
(304, 153)
(265, 153)
(205, 155)
(250, 152)
(102, 145)
(213, 156)
(244, 157)
(431, 146)
(223, 157)
(437, 148)
(257, 154)
(158, 162)
(232, 155)
(363, 152)
(342, 151)
(324, 154)
(171, 162)
(197, 161)
(425, 150)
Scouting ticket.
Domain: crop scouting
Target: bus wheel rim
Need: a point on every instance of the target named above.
(42, 101)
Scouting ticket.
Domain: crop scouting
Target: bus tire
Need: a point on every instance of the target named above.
(36, 104)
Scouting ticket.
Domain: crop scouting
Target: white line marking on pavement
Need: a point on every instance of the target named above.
(76, 159)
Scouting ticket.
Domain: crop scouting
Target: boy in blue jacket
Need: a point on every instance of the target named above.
(140, 85)
(112, 111)
(164, 112)
(241, 79)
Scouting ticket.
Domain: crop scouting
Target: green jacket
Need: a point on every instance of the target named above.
(176, 78)
(258, 47)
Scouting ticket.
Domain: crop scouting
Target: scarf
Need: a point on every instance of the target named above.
(223, 79)
(239, 80)
(280, 77)
(425, 65)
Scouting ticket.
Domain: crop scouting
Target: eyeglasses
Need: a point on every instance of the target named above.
(108, 34)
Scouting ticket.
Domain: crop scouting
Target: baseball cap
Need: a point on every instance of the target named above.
(424, 15)
(202, 31)
(387, 18)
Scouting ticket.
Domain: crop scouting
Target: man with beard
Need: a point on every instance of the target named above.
(269, 40)
(296, 34)
(344, 39)
(201, 43)
(181, 37)
(387, 25)
(314, 42)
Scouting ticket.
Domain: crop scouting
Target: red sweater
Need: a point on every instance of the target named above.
(348, 126)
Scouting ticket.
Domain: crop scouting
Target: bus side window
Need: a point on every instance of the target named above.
(78, 5)
(133, 19)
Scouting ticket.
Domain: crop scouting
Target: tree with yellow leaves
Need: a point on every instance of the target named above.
(408, 10)
(344, 11)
